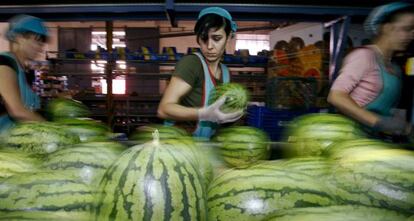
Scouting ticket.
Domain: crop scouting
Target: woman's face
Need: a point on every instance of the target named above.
(402, 31)
(31, 46)
(215, 45)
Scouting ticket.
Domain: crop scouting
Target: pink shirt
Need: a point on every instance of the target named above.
(360, 76)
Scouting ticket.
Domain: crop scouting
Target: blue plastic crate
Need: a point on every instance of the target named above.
(273, 122)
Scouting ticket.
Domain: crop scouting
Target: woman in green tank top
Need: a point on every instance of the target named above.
(186, 97)
(18, 102)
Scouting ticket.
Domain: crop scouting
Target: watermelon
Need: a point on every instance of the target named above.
(45, 216)
(88, 161)
(237, 97)
(254, 194)
(45, 191)
(200, 157)
(144, 133)
(13, 161)
(242, 146)
(346, 148)
(313, 166)
(379, 178)
(337, 213)
(311, 134)
(66, 108)
(86, 129)
(39, 137)
(211, 160)
(152, 181)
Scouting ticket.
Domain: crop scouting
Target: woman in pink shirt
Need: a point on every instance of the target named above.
(369, 84)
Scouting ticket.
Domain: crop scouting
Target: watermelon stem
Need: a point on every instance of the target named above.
(156, 137)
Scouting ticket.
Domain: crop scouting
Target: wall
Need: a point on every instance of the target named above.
(4, 44)
(310, 32)
(181, 43)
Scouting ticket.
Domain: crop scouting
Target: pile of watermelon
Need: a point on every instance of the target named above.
(49, 174)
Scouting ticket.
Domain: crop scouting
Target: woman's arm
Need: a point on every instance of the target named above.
(169, 107)
(345, 104)
(9, 91)
(389, 124)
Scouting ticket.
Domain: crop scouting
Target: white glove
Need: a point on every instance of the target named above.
(213, 113)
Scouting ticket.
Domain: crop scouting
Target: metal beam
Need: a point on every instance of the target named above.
(178, 11)
(170, 12)
(338, 40)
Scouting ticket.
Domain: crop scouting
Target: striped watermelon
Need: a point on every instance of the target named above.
(45, 216)
(379, 178)
(87, 161)
(337, 213)
(39, 137)
(209, 154)
(236, 94)
(59, 108)
(242, 146)
(152, 181)
(312, 166)
(254, 194)
(44, 191)
(86, 129)
(310, 134)
(346, 148)
(144, 133)
(199, 157)
(13, 162)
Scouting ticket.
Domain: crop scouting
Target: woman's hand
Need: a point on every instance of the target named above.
(213, 113)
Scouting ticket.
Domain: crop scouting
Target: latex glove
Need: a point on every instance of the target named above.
(213, 113)
(394, 125)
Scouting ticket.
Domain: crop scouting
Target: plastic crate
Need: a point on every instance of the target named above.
(273, 122)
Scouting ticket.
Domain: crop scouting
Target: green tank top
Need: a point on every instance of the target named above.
(30, 99)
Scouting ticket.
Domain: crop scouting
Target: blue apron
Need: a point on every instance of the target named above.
(29, 98)
(391, 90)
(205, 129)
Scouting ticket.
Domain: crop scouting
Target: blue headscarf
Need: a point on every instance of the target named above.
(379, 14)
(221, 12)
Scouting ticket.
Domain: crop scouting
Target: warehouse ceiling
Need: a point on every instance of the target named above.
(267, 10)
(354, 3)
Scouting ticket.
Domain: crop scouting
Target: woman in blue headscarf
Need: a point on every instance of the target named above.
(18, 102)
(369, 84)
(195, 75)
